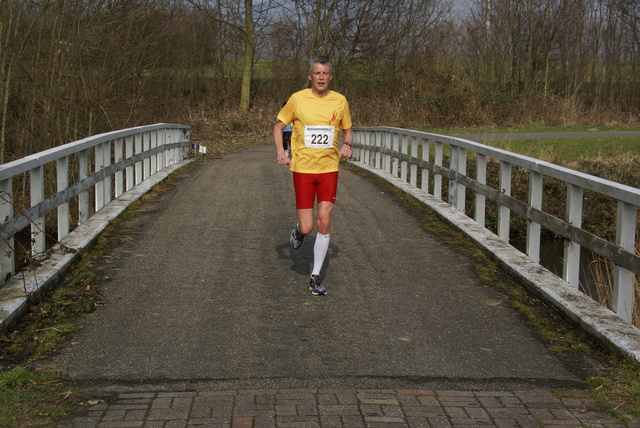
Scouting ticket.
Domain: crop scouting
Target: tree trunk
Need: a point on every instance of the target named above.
(247, 69)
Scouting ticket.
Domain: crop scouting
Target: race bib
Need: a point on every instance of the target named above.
(319, 137)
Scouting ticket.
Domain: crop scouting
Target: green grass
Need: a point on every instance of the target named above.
(28, 398)
(527, 128)
(558, 150)
(570, 149)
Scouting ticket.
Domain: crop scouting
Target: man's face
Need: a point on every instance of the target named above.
(320, 76)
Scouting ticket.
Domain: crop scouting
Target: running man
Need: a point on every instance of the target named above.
(317, 114)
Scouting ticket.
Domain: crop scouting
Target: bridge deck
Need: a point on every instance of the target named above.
(207, 295)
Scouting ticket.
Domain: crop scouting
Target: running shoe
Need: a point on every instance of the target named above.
(316, 287)
(296, 239)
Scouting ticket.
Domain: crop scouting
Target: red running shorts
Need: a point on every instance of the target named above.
(307, 186)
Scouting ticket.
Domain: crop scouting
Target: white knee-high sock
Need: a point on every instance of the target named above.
(320, 249)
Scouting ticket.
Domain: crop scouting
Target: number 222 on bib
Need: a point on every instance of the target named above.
(319, 137)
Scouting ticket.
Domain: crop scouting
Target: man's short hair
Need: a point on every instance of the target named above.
(320, 59)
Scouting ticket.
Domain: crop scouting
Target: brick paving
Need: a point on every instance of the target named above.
(346, 408)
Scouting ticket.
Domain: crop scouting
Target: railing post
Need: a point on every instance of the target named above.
(533, 228)
(360, 155)
(386, 159)
(404, 170)
(453, 183)
(457, 164)
(379, 143)
(162, 141)
(36, 180)
(437, 178)
(128, 153)
(146, 163)
(504, 213)
(481, 177)
(173, 153)
(62, 182)
(7, 249)
(83, 198)
(426, 148)
(154, 158)
(107, 180)
(414, 168)
(462, 170)
(623, 278)
(99, 187)
(138, 165)
(395, 146)
(119, 176)
(571, 265)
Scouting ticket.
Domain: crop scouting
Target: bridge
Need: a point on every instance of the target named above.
(209, 307)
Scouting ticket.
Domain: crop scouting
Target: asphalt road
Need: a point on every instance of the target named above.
(207, 291)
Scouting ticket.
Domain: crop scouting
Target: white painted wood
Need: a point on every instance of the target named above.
(461, 189)
(7, 253)
(62, 182)
(146, 163)
(404, 165)
(378, 143)
(154, 158)
(137, 149)
(112, 174)
(622, 254)
(533, 228)
(437, 178)
(453, 185)
(119, 176)
(571, 264)
(623, 278)
(99, 187)
(504, 214)
(83, 197)
(426, 149)
(107, 181)
(413, 174)
(36, 189)
(130, 170)
(481, 177)
(395, 146)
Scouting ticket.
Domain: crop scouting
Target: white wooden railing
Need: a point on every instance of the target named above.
(103, 166)
(408, 155)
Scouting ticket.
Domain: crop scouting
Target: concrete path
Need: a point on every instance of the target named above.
(209, 320)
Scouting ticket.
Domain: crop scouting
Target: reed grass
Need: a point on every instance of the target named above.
(601, 272)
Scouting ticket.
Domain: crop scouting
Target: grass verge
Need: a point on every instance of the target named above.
(29, 398)
(532, 128)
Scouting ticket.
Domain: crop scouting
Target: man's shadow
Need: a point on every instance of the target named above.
(302, 258)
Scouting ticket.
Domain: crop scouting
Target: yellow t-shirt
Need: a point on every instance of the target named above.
(316, 124)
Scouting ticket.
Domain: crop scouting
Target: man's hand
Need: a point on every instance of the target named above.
(345, 151)
(283, 159)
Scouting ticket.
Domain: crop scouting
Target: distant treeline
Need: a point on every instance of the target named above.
(72, 68)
